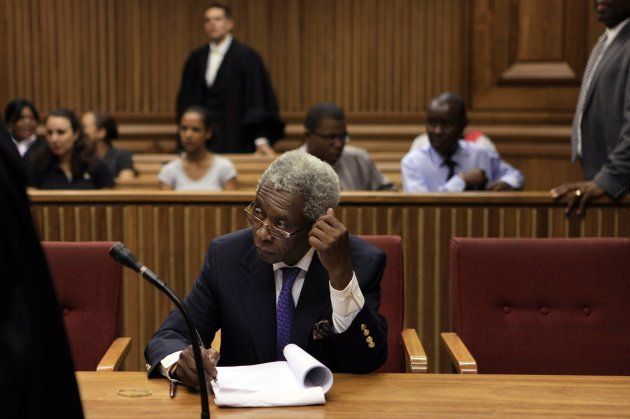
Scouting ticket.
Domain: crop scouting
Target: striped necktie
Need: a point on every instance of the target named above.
(591, 66)
(285, 308)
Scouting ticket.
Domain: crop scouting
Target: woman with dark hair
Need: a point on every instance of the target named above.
(197, 168)
(22, 118)
(101, 130)
(67, 161)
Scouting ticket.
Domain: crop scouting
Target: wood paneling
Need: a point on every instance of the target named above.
(170, 232)
(126, 56)
(529, 54)
(517, 63)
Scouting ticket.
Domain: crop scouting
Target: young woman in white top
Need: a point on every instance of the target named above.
(197, 168)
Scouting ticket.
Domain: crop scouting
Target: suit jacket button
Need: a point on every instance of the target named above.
(544, 311)
(369, 339)
(363, 326)
(371, 345)
(366, 332)
(586, 310)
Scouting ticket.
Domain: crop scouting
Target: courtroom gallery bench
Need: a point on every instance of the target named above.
(248, 166)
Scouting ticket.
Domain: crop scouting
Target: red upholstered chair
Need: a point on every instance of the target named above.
(540, 306)
(87, 282)
(405, 352)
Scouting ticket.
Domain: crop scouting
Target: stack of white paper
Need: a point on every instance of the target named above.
(300, 380)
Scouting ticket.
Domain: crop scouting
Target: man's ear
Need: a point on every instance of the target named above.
(307, 136)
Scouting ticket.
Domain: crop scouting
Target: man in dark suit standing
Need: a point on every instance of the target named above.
(296, 276)
(600, 137)
(230, 79)
(37, 378)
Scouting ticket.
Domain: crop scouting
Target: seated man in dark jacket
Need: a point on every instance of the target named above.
(296, 276)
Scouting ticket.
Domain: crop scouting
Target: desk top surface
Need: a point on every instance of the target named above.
(381, 395)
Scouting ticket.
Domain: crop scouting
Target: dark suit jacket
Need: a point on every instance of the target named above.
(606, 120)
(33, 149)
(37, 376)
(236, 293)
(241, 98)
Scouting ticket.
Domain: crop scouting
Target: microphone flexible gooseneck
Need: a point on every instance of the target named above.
(122, 255)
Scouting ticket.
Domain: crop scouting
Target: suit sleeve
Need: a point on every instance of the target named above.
(412, 180)
(185, 97)
(614, 176)
(261, 117)
(173, 335)
(354, 350)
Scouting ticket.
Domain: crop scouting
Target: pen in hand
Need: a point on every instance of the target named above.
(172, 389)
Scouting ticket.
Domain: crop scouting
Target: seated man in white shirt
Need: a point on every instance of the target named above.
(326, 136)
(449, 163)
(295, 276)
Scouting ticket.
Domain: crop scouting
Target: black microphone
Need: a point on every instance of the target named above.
(122, 255)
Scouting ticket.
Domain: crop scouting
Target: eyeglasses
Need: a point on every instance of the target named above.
(275, 232)
(332, 137)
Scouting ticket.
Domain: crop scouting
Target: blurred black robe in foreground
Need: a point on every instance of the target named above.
(36, 372)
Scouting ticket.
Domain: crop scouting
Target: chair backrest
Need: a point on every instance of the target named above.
(543, 306)
(87, 282)
(392, 302)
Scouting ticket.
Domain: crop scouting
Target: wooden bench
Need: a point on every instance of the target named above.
(249, 168)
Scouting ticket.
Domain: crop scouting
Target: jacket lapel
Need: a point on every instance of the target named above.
(610, 54)
(203, 61)
(259, 303)
(314, 302)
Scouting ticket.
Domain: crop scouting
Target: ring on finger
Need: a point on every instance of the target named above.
(578, 193)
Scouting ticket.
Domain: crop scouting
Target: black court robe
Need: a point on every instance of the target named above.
(241, 99)
(36, 372)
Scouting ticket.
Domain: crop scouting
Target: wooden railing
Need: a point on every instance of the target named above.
(170, 232)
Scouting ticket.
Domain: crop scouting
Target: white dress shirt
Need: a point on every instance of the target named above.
(423, 169)
(346, 303)
(215, 58)
(25, 144)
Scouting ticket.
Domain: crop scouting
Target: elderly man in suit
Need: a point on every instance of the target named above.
(600, 138)
(296, 276)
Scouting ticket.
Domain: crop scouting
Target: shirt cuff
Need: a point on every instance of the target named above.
(455, 184)
(168, 362)
(346, 304)
(261, 141)
(513, 181)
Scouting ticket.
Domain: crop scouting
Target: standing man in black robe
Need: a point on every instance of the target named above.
(230, 79)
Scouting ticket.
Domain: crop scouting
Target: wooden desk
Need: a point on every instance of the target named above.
(382, 395)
